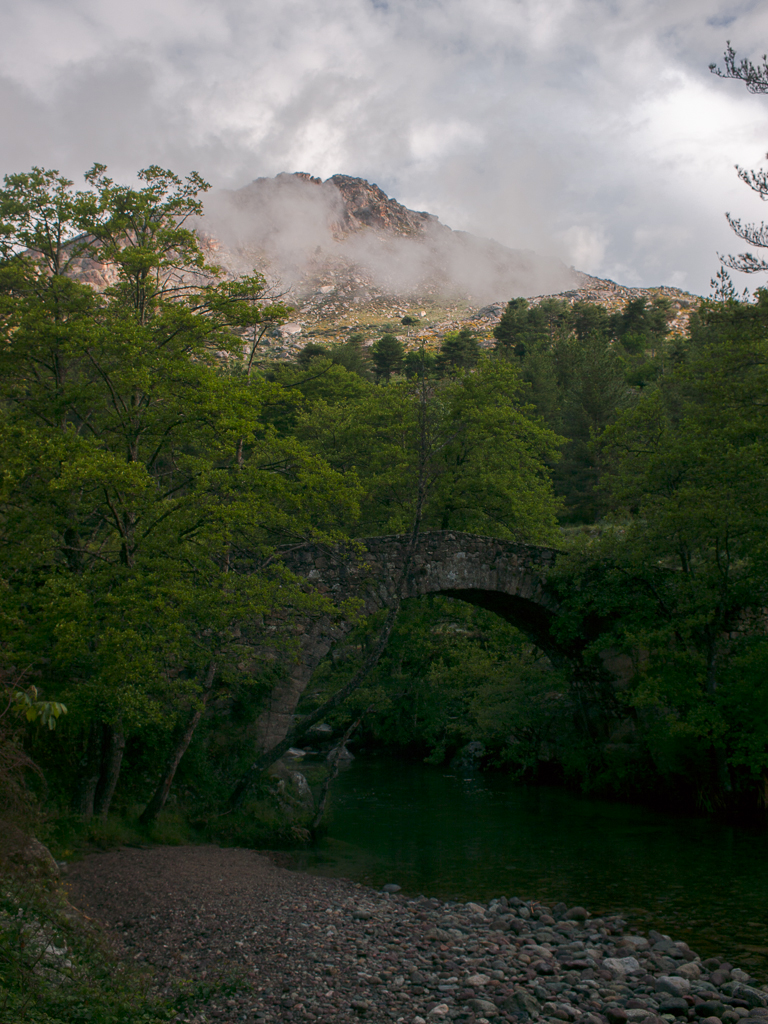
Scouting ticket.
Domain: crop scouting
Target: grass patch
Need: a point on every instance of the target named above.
(69, 837)
(259, 824)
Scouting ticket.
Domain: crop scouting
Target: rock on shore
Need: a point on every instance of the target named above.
(247, 941)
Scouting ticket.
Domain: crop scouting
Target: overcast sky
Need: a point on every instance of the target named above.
(590, 129)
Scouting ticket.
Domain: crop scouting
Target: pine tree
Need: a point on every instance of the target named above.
(388, 356)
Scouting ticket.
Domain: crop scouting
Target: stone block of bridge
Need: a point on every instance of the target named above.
(508, 579)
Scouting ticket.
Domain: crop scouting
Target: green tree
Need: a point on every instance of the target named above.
(353, 356)
(755, 77)
(589, 320)
(524, 328)
(388, 356)
(139, 471)
(486, 454)
(458, 351)
(686, 471)
(577, 385)
(310, 352)
(419, 363)
(641, 326)
(453, 673)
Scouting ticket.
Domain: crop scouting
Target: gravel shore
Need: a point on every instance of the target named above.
(232, 937)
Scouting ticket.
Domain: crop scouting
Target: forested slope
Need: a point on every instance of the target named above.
(154, 462)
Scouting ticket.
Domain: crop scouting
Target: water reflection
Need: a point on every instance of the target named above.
(461, 837)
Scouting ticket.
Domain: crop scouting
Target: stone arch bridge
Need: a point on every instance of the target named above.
(508, 579)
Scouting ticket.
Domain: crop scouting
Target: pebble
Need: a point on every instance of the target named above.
(327, 951)
(417, 961)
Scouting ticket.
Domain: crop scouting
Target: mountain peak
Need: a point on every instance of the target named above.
(307, 234)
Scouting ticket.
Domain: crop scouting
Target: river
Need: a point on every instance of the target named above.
(462, 835)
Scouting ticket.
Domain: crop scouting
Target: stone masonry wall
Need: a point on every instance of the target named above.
(509, 579)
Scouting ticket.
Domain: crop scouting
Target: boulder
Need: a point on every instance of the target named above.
(475, 908)
(469, 756)
(710, 1008)
(336, 754)
(576, 914)
(673, 986)
(482, 1006)
(525, 1001)
(615, 1015)
(753, 997)
(25, 854)
(675, 1005)
(621, 965)
(321, 729)
(690, 971)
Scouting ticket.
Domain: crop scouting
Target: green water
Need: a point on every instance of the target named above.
(461, 836)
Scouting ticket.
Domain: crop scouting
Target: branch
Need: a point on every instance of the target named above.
(757, 180)
(269, 757)
(275, 753)
(745, 262)
(333, 770)
(754, 77)
(754, 234)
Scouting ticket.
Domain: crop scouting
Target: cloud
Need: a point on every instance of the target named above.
(302, 235)
(534, 122)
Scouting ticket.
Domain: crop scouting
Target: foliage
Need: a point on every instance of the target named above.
(453, 673)
(421, 364)
(151, 468)
(388, 355)
(577, 361)
(755, 77)
(138, 470)
(685, 471)
(310, 352)
(353, 356)
(55, 969)
(485, 455)
(458, 351)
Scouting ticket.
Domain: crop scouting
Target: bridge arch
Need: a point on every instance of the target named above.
(506, 578)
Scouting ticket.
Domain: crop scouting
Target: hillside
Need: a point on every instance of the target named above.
(348, 257)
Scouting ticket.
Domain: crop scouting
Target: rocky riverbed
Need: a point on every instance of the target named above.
(232, 937)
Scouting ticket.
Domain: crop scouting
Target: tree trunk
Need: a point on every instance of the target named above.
(159, 797)
(269, 757)
(91, 772)
(113, 746)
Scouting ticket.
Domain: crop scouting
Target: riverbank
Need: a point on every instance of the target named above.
(232, 937)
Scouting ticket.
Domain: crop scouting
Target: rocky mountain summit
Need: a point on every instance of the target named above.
(343, 252)
(367, 206)
(348, 257)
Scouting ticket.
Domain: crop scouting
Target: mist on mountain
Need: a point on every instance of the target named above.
(304, 233)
